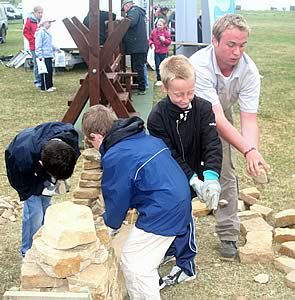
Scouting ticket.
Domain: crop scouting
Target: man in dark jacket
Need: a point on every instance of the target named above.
(136, 42)
(148, 180)
(36, 160)
(186, 124)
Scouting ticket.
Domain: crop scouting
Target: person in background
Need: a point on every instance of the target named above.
(186, 124)
(225, 75)
(37, 161)
(160, 39)
(149, 180)
(45, 51)
(135, 42)
(29, 30)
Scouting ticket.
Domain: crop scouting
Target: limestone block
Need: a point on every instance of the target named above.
(248, 214)
(86, 193)
(91, 164)
(265, 212)
(262, 178)
(288, 249)
(248, 199)
(104, 237)
(98, 208)
(101, 256)
(285, 218)
(290, 280)
(64, 263)
(200, 209)
(89, 184)
(241, 205)
(91, 175)
(256, 224)
(67, 225)
(258, 248)
(32, 276)
(7, 213)
(282, 235)
(91, 154)
(86, 202)
(285, 264)
(251, 191)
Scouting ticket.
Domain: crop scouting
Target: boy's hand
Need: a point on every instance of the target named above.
(210, 193)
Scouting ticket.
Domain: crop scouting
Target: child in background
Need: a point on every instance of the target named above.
(160, 39)
(45, 51)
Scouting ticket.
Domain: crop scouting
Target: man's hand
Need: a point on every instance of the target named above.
(210, 193)
(196, 184)
(255, 162)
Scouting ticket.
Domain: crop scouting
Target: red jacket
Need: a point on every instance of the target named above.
(160, 47)
(30, 29)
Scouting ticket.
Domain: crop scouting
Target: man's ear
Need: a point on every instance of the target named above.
(214, 41)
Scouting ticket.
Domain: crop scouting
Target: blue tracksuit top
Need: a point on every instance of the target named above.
(140, 172)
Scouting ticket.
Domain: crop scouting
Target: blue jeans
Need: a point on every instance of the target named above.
(37, 78)
(158, 59)
(33, 218)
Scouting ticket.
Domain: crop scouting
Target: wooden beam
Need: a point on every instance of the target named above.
(80, 26)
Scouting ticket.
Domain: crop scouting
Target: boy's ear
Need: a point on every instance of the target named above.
(164, 89)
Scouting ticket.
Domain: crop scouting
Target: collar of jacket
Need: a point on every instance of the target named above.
(121, 129)
(177, 113)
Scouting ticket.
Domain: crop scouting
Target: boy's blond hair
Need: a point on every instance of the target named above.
(229, 21)
(98, 119)
(176, 67)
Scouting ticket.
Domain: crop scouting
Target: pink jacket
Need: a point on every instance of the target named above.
(160, 47)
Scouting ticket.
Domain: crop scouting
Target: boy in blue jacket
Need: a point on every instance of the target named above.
(35, 160)
(139, 172)
(186, 124)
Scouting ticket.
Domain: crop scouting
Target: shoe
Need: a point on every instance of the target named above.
(177, 276)
(162, 283)
(158, 83)
(53, 87)
(167, 259)
(141, 93)
(228, 250)
(50, 90)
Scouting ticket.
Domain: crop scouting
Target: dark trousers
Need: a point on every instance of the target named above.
(137, 65)
(158, 59)
(46, 78)
(184, 249)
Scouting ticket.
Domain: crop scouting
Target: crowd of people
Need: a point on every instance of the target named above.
(188, 152)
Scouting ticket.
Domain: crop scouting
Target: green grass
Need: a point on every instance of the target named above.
(271, 45)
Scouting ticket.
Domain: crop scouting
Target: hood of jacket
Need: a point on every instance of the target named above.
(121, 129)
(32, 18)
(139, 9)
(176, 112)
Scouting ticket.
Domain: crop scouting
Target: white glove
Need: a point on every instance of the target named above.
(62, 187)
(210, 193)
(196, 184)
(50, 190)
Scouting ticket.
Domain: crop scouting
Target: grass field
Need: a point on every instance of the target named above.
(272, 46)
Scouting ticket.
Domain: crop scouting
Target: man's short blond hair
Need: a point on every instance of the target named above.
(176, 67)
(229, 21)
(98, 119)
(37, 8)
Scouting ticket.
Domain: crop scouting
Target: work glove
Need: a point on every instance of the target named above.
(210, 193)
(196, 184)
(61, 187)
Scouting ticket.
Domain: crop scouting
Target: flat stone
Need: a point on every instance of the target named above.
(285, 218)
(251, 191)
(288, 249)
(12, 218)
(91, 154)
(86, 193)
(7, 213)
(91, 164)
(63, 263)
(290, 280)
(265, 211)
(282, 235)
(89, 184)
(262, 278)
(241, 206)
(263, 178)
(285, 264)
(199, 209)
(248, 199)
(91, 175)
(98, 208)
(86, 202)
(104, 237)
(256, 224)
(248, 215)
(32, 276)
(67, 225)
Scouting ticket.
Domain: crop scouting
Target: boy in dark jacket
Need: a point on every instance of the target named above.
(186, 124)
(36, 160)
(139, 172)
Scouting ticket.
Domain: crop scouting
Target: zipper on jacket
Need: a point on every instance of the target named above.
(177, 129)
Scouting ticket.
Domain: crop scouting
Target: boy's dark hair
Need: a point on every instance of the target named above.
(58, 159)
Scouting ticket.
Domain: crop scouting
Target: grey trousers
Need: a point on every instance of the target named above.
(227, 220)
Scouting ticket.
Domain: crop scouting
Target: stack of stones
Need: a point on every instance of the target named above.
(67, 256)
(259, 234)
(9, 209)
